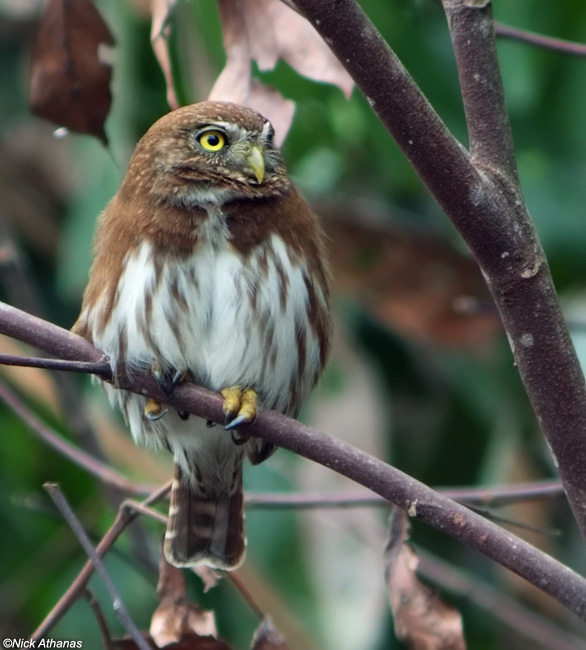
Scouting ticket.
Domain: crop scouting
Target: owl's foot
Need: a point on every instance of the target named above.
(240, 405)
(154, 410)
(167, 380)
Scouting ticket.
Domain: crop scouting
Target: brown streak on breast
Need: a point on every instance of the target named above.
(127, 222)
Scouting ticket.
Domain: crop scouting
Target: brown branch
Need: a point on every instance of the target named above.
(102, 625)
(544, 42)
(513, 261)
(94, 368)
(75, 525)
(125, 516)
(489, 131)
(142, 509)
(417, 499)
(47, 337)
(488, 496)
(481, 195)
(246, 594)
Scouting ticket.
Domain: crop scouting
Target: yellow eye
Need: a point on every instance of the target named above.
(212, 140)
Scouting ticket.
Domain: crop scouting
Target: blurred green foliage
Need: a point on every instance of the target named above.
(454, 417)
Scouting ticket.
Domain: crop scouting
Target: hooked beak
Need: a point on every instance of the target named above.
(255, 162)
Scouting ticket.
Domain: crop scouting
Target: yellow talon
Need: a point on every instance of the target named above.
(154, 410)
(240, 406)
(248, 404)
(231, 397)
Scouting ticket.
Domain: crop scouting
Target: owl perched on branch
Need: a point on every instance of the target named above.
(209, 267)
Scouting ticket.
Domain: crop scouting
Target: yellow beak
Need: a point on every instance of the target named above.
(256, 162)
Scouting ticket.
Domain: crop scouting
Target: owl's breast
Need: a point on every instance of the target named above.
(228, 319)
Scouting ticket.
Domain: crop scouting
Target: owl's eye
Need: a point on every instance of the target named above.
(212, 140)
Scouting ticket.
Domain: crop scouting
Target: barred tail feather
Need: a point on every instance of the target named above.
(204, 529)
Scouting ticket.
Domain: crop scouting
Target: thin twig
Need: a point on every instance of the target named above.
(448, 576)
(141, 509)
(493, 497)
(497, 604)
(544, 42)
(82, 459)
(245, 593)
(102, 625)
(75, 525)
(100, 368)
(124, 518)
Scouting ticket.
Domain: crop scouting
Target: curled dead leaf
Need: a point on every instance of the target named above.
(266, 30)
(70, 79)
(161, 12)
(421, 619)
(176, 620)
(267, 637)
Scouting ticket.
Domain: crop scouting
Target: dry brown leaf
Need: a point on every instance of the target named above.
(266, 30)
(421, 619)
(416, 284)
(266, 637)
(70, 84)
(176, 619)
(235, 83)
(277, 31)
(161, 11)
(209, 577)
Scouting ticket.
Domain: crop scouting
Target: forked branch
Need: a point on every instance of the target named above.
(480, 193)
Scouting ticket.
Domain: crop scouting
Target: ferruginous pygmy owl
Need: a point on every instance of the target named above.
(209, 266)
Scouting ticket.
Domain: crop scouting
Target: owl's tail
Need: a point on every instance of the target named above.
(205, 528)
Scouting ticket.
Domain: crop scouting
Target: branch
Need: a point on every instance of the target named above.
(495, 603)
(48, 337)
(481, 195)
(416, 498)
(119, 607)
(544, 42)
(100, 368)
(126, 515)
(488, 496)
(489, 131)
(493, 497)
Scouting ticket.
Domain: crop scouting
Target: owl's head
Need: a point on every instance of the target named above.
(209, 153)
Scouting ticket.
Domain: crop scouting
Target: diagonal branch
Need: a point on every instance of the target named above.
(417, 499)
(119, 607)
(482, 197)
(126, 515)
